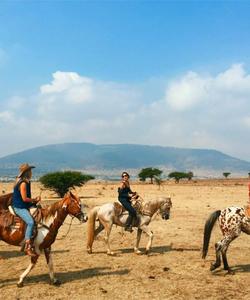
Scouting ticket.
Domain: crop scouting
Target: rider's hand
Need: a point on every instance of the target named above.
(37, 199)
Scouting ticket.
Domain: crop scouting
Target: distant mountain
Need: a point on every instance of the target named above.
(105, 158)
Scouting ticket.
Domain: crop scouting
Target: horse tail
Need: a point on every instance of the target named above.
(91, 228)
(207, 231)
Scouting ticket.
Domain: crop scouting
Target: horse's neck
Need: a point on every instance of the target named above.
(152, 206)
(54, 215)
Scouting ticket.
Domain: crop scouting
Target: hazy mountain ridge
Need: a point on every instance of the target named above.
(86, 156)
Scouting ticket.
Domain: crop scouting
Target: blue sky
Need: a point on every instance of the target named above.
(171, 73)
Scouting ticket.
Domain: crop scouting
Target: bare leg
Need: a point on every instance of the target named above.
(53, 279)
(138, 238)
(150, 234)
(32, 264)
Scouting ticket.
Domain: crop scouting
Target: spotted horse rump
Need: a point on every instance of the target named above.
(232, 221)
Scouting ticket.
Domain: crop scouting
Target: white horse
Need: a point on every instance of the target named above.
(107, 215)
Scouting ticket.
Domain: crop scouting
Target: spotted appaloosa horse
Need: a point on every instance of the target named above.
(232, 221)
(107, 216)
(52, 218)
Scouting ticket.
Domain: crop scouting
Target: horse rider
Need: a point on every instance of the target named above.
(124, 196)
(22, 201)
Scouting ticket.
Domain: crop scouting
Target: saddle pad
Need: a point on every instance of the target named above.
(118, 208)
(32, 210)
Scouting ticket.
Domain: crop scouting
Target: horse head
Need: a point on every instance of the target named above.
(73, 206)
(165, 208)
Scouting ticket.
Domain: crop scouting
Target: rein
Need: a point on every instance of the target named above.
(64, 236)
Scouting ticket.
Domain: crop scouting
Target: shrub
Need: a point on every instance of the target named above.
(180, 175)
(226, 174)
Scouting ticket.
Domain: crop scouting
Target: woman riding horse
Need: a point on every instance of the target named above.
(124, 196)
(22, 201)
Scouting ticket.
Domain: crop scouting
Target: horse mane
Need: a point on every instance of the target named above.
(50, 210)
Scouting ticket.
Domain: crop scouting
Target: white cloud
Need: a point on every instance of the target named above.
(195, 110)
(6, 117)
(193, 89)
(69, 85)
(187, 91)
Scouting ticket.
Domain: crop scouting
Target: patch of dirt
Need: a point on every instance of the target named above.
(173, 269)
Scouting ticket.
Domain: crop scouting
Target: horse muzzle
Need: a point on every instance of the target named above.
(82, 217)
(165, 216)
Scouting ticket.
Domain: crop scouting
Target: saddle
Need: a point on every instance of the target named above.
(119, 209)
(8, 218)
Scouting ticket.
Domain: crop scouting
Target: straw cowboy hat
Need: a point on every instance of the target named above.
(23, 168)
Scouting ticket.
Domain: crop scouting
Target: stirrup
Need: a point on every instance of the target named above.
(129, 228)
(29, 250)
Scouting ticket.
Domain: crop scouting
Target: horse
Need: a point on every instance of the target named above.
(232, 220)
(107, 216)
(50, 220)
(5, 201)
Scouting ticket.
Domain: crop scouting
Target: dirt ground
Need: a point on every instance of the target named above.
(174, 268)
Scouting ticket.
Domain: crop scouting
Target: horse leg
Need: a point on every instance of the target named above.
(98, 229)
(108, 227)
(138, 238)
(53, 279)
(32, 264)
(224, 248)
(217, 263)
(96, 232)
(150, 235)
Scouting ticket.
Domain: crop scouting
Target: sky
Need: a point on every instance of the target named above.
(169, 73)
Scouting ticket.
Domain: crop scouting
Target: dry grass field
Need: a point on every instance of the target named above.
(174, 268)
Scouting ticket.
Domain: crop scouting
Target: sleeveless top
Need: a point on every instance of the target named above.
(124, 193)
(17, 197)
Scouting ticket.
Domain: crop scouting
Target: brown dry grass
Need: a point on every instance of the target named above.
(173, 270)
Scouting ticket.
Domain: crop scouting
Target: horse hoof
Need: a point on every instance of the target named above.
(89, 251)
(20, 284)
(111, 253)
(230, 272)
(138, 252)
(213, 267)
(56, 282)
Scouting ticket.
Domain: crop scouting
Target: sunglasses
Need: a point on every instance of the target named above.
(125, 175)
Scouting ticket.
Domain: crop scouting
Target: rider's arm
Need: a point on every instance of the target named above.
(24, 194)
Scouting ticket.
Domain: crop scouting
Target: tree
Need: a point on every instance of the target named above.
(180, 175)
(226, 174)
(190, 175)
(151, 173)
(61, 182)
(158, 181)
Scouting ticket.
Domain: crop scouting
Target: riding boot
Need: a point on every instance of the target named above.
(29, 249)
(128, 226)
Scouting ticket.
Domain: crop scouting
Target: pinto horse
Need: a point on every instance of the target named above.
(107, 216)
(5, 201)
(52, 218)
(232, 221)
